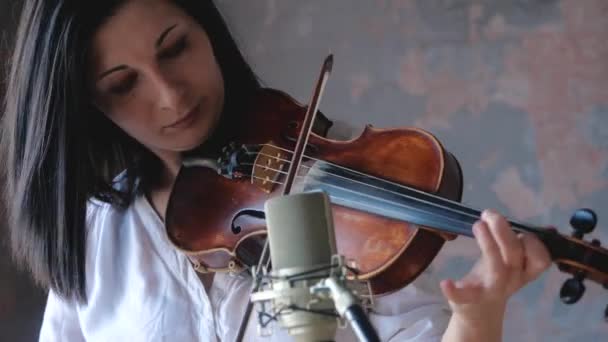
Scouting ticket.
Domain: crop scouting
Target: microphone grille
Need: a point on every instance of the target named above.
(300, 230)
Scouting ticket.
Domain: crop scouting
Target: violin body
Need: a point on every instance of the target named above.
(215, 211)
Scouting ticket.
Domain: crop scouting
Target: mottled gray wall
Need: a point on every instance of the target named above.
(517, 90)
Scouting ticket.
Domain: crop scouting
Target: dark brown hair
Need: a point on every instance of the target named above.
(60, 151)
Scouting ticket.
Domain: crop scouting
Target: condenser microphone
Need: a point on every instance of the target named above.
(301, 242)
(302, 250)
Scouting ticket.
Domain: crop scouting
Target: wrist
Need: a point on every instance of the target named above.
(480, 312)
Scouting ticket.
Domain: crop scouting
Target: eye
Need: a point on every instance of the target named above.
(176, 49)
(124, 86)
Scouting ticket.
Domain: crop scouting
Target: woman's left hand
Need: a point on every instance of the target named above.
(508, 262)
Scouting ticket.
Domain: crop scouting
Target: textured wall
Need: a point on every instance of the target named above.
(517, 90)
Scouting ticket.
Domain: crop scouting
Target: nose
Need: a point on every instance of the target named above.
(170, 93)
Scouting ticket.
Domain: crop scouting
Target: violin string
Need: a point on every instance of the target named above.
(363, 183)
(371, 185)
(416, 199)
(438, 198)
(364, 194)
(402, 205)
(352, 181)
(405, 206)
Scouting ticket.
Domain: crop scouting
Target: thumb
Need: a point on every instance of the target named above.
(459, 292)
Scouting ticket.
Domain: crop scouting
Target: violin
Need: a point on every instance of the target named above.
(395, 197)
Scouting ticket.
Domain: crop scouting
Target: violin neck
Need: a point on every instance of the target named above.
(356, 190)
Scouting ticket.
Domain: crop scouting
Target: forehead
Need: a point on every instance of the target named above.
(133, 30)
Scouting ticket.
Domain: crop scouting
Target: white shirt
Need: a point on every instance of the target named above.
(140, 288)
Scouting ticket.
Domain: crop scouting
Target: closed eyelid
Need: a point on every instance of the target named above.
(109, 71)
(175, 47)
(117, 76)
(115, 83)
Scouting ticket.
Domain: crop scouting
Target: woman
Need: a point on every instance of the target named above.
(103, 100)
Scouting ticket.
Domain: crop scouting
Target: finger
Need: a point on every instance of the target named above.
(536, 255)
(489, 247)
(510, 246)
(460, 292)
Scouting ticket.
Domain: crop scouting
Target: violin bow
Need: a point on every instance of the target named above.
(296, 159)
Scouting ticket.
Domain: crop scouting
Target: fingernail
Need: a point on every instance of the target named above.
(487, 213)
(476, 226)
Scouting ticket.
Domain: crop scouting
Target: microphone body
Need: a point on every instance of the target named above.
(301, 241)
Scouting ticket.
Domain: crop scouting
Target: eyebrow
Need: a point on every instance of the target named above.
(163, 35)
(157, 44)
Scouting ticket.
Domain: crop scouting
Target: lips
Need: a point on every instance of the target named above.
(184, 120)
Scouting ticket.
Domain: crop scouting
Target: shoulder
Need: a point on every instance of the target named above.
(121, 239)
(111, 233)
(424, 291)
(135, 279)
(98, 211)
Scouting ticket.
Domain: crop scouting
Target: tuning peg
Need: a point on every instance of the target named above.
(573, 289)
(583, 221)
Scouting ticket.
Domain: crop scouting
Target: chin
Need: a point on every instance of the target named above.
(187, 142)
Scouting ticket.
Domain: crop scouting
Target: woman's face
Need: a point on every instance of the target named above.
(154, 74)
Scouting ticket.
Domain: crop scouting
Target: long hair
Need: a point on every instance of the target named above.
(59, 151)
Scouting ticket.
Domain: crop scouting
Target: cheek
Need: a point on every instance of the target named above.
(133, 118)
(204, 71)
